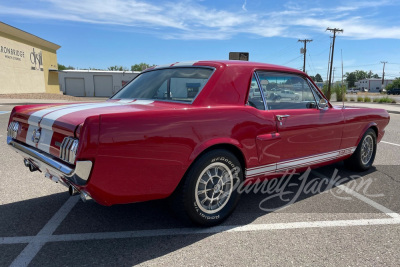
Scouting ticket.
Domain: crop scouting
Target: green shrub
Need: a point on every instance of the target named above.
(360, 99)
(386, 99)
(352, 99)
(367, 99)
(340, 91)
(376, 100)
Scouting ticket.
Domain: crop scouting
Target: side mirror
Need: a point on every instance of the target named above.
(323, 104)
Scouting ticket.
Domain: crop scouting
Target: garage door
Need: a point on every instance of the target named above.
(103, 85)
(75, 86)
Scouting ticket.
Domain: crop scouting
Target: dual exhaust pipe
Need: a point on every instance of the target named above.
(31, 167)
(72, 190)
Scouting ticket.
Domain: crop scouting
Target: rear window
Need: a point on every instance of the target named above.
(174, 84)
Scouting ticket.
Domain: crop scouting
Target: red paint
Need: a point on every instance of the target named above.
(141, 152)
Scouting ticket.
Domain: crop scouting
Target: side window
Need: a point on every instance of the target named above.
(286, 91)
(255, 98)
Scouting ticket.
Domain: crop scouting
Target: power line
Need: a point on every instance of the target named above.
(333, 49)
(305, 41)
(291, 60)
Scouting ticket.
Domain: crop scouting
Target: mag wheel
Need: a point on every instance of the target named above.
(208, 194)
(364, 155)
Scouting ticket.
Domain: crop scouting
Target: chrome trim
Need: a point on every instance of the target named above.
(52, 165)
(68, 149)
(261, 90)
(12, 130)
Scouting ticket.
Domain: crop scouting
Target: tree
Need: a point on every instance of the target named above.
(62, 67)
(357, 75)
(312, 78)
(394, 84)
(318, 78)
(350, 78)
(141, 66)
(117, 68)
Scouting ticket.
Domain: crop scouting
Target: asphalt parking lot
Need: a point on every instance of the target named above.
(320, 220)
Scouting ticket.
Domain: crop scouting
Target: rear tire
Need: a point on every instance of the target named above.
(207, 194)
(364, 156)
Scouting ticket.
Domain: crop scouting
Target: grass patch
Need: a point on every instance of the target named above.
(352, 99)
(376, 100)
(367, 99)
(360, 99)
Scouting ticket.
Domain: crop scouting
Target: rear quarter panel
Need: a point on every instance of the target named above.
(143, 156)
(358, 120)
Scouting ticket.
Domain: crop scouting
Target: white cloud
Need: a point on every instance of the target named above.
(188, 19)
(244, 5)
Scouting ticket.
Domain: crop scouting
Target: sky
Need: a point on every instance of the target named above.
(99, 34)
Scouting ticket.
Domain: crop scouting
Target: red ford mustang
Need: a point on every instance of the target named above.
(191, 132)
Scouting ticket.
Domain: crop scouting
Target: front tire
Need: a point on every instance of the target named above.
(364, 156)
(208, 195)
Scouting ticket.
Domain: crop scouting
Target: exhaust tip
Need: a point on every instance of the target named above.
(85, 196)
(72, 191)
(26, 163)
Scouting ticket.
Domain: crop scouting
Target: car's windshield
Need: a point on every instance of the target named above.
(173, 84)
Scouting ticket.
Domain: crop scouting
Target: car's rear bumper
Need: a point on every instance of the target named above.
(53, 167)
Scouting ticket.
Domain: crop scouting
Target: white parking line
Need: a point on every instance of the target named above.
(37, 242)
(390, 143)
(40, 240)
(370, 202)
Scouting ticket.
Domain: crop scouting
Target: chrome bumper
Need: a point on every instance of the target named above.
(52, 166)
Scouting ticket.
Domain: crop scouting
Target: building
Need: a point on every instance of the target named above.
(94, 83)
(372, 85)
(28, 63)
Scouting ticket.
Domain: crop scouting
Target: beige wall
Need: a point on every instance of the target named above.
(22, 71)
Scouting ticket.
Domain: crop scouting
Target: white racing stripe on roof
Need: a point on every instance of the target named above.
(186, 63)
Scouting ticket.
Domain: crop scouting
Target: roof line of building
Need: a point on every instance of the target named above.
(107, 71)
(8, 29)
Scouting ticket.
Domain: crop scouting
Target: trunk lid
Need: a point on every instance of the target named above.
(57, 121)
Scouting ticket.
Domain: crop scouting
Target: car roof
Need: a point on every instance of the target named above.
(230, 64)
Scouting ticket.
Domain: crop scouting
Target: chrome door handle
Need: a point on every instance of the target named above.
(281, 117)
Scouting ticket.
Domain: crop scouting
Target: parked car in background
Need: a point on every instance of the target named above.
(192, 132)
(353, 90)
(288, 94)
(394, 91)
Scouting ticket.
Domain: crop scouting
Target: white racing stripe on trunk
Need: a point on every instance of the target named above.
(49, 119)
(37, 116)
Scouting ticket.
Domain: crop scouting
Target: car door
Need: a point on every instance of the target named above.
(305, 134)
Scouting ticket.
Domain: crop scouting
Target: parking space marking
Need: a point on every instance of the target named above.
(4, 112)
(370, 202)
(390, 143)
(37, 242)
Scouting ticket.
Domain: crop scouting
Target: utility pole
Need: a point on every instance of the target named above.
(383, 73)
(305, 41)
(333, 49)
(329, 61)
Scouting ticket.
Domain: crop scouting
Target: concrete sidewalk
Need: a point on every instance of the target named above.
(391, 108)
(12, 101)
